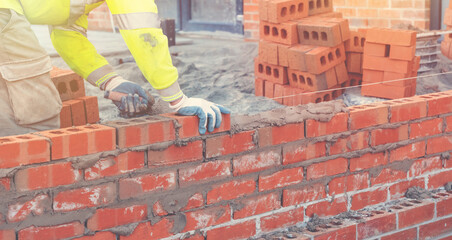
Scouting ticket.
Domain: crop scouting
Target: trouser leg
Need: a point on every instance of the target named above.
(28, 99)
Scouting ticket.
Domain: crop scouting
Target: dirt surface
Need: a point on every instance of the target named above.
(222, 71)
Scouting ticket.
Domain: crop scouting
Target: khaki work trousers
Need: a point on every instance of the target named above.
(29, 100)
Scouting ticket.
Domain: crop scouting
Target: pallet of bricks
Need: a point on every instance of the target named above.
(389, 64)
(354, 49)
(301, 51)
(446, 44)
(78, 109)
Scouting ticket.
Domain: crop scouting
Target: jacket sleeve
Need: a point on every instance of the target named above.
(139, 25)
(81, 56)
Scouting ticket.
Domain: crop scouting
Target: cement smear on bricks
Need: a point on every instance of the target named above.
(418, 193)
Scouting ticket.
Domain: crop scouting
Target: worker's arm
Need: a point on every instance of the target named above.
(139, 25)
(81, 56)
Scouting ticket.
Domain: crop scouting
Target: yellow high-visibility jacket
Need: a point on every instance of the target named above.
(138, 23)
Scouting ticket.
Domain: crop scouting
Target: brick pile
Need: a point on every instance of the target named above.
(446, 44)
(301, 51)
(78, 109)
(390, 55)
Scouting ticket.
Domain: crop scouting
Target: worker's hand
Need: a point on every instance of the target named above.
(209, 113)
(130, 98)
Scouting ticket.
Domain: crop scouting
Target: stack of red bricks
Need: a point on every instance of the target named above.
(301, 52)
(78, 109)
(447, 42)
(354, 49)
(390, 65)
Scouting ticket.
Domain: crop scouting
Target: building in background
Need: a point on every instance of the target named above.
(242, 16)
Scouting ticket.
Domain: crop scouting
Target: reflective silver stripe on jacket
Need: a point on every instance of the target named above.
(77, 9)
(130, 21)
(99, 76)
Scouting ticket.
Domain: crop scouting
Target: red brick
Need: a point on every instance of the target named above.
(84, 198)
(257, 205)
(387, 91)
(5, 184)
(389, 135)
(23, 150)
(105, 218)
(79, 141)
(46, 176)
(188, 125)
(282, 220)
(368, 160)
(196, 236)
(158, 209)
(269, 89)
(343, 232)
(356, 43)
(269, 52)
(327, 208)
(242, 230)
(174, 154)
(320, 59)
(391, 36)
(284, 33)
(424, 166)
(388, 175)
(205, 171)
(65, 116)
(373, 197)
(449, 124)
(438, 103)
(348, 183)
(277, 135)
(407, 109)
(258, 91)
(439, 144)
(195, 201)
(296, 58)
(303, 195)
(99, 236)
(328, 168)
(438, 180)
(372, 76)
(145, 230)
(7, 235)
(270, 72)
(143, 131)
(283, 11)
(377, 224)
(111, 166)
(230, 190)
(91, 109)
(409, 234)
(77, 112)
(320, 7)
(224, 145)
(368, 115)
(376, 49)
(435, 229)
(297, 153)
(398, 190)
(320, 33)
(69, 84)
(386, 64)
(283, 53)
(207, 217)
(354, 142)
(34, 207)
(131, 187)
(256, 162)
(410, 151)
(354, 63)
(415, 214)
(280, 179)
(67, 230)
(444, 206)
(426, 128)
(313, 82)
(337, 124)
(402, 52)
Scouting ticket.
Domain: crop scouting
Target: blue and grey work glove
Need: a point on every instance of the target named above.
(209, 113)
(130, 98)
